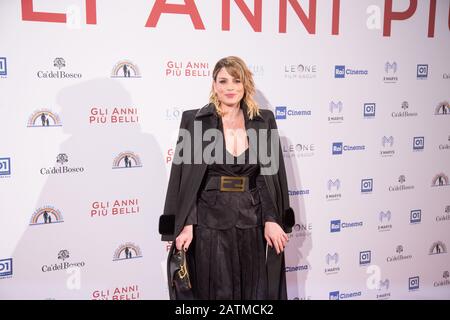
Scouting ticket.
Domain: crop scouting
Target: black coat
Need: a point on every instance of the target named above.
(185, 181)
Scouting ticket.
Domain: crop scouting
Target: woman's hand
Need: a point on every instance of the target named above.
(184, 239)
(275, 236)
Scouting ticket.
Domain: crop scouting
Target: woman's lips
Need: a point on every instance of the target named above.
(230, 95)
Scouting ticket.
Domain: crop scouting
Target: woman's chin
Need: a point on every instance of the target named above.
(230, 103)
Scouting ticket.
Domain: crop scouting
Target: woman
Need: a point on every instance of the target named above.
(224, 204)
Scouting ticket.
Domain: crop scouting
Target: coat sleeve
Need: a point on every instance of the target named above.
(288, 216)
(268, 208)
(167, 219)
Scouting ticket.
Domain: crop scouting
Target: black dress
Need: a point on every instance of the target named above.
(230, 249)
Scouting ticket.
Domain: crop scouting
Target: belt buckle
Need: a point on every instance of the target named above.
(230, 179)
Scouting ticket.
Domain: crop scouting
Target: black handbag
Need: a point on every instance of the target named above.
(180, 287)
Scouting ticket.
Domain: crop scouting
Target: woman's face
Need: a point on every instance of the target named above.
(229, 90)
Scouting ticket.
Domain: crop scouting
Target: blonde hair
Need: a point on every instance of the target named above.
(237, 68)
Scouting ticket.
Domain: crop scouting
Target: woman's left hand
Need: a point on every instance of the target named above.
(275, 236)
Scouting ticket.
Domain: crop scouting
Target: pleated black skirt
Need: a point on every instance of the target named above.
(230, 248)
(230, 264)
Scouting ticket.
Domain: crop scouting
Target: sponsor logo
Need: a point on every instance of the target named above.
(297, 268)
(5, 167)
(63, 255)
(384, 219)
(299, 150)
(369, 110)
(383, 288)
(44, 118)
(413, 283)
(283, 112)
(418, 143)
(332, 261)
(174, 113)
(336, 295)
(125, 69)
(46, 215)
(442, 109)
(387, 141)
(301, 192)
(61, 159)
(438, 247)
(331, 186)
(6, 268)
(405, 113)
(365, 258)
(399, 256)
(422, 71)
(440, 180)
(58, 63)
(443, 282)
(366, 186)
(445, 146)
(301, 230)
(335, 109)
(127, 251)
(415, 216)
(387, 144)
(300, 71)
(402, 186)
(337, 225)
(390, 70)
(341, 72)
(256, 69)
(3, 68)
(445, 216)
(384, 284)
(127, 160)
(338, 148)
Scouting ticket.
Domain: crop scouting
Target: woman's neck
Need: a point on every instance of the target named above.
(230, 112)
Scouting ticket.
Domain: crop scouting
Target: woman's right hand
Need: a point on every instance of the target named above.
(184, 239)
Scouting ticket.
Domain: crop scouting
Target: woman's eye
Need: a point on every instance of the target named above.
(222, 81)
(237, 81)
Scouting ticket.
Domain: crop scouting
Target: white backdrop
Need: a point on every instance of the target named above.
(373, 219)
